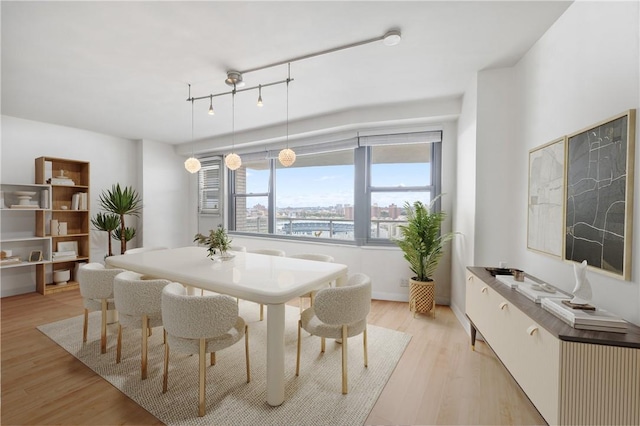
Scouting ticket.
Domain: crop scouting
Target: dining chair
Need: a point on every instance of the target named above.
(200, 325)
(311, 256)
(139, 302)
(144, 249)
(96, 289)
(268, 252)
(339, 313)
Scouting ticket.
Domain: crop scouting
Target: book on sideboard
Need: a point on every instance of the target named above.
(596, 320)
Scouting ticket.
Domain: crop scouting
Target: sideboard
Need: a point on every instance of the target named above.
(571, 376)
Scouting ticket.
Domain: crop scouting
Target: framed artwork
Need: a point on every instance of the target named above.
(68, 246)
(546, 198)
(35, 256)
(599, 195)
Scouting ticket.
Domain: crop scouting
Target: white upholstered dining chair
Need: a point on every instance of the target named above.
(138, 301)
(339, 313)
(96, 289)
(311, 256)
(200, 325)
(268, 252)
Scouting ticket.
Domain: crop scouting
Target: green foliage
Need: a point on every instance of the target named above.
(108, 222)
(216, 240)
(129, 234)
(421, 241)
(122, 202)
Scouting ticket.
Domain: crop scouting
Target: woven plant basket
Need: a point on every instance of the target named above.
(422, 297)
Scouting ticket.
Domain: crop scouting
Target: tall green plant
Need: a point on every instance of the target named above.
(421, 242)
(121, 202)
(108, 222)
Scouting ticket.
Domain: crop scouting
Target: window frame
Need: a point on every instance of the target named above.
(363, 191)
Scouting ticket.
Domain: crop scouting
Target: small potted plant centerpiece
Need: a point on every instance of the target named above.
(217, 242)
(423, 247)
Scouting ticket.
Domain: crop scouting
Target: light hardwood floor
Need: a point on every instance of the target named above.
(438, 380)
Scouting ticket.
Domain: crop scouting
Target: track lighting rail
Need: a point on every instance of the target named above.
(244, 89)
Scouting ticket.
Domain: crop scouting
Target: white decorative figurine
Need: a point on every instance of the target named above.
(582, 290)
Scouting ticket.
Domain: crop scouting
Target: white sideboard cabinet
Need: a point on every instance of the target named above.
(573, 377)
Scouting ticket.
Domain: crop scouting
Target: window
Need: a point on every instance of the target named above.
(250, 197)
(314, 196)
(353, 190)
(398, 174)
(209, 186)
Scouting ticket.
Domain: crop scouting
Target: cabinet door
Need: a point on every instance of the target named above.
(533, 359)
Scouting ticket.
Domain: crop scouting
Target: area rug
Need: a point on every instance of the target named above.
(313, 398)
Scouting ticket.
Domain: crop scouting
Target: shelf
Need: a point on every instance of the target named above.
(6, 209)
(83, 234)
(70, 186)
(23, 263)
(77, 259)
(22, 239)
(56, 288)
(69, 211)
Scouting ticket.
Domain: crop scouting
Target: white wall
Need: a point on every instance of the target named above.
(583, 70)
(152, 168)
(465, 200)
(166, 199)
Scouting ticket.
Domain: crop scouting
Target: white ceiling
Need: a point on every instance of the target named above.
(122, 68)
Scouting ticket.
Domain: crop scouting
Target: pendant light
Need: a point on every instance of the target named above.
(233, 160)
(192, 164)
(211, 111)
(260, 95)
(287, 156)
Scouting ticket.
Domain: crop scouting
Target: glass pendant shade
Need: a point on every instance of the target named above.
(233, 161)
(192, 165)
(287, 157)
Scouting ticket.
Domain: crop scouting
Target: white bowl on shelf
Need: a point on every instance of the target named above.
(61, 277)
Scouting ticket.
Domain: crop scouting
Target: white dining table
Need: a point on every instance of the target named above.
(269, 280)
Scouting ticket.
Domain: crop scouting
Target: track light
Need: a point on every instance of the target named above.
(260, 95)
(211, 112)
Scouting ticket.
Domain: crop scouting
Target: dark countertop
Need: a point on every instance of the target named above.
(553, 324)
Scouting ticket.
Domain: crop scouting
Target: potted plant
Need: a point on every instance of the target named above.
(122, 202)
(423, 247)
(217, 240)
(107, 222)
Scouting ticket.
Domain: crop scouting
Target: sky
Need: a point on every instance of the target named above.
(330, 185)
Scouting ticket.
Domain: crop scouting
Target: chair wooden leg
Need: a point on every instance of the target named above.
(119, 345)
(344, 360)
(298, 354)
(103, 328)
(165, 378)
(202, 370)
(364, 343)
(246, 351)
(145, 336)
(261, 312)
(213, 358)
(86, 324)
(322, 344)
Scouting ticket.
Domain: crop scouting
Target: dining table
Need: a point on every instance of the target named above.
(264, 279)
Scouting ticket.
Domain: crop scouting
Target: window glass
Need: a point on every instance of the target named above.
(252, 214)
(314, 196)
(401, 165)
(388, 211)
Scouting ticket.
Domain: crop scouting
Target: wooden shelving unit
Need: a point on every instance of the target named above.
(77, 220)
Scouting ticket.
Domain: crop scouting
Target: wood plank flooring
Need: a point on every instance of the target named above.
(438, 380)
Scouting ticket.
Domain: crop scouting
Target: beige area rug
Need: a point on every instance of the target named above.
(313, 398)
